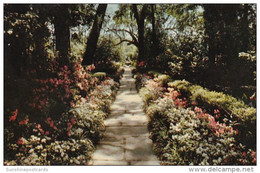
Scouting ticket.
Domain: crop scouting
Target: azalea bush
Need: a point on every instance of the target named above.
(66, 111)
(234, 109)
(187, 132)
(41, 150)
(193, 137)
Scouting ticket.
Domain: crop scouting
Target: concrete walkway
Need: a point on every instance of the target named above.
(126, 139)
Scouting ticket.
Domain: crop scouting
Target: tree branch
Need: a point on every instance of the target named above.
(133, 35)
(126, 40)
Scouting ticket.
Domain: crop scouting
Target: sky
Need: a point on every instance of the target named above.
(111, 8)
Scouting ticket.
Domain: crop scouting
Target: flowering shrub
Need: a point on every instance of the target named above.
(141, 79)
(192, 137)
(151, 92)
(70, 104)
(235, 110)
(185, 134)
(42, 151)
(83, 122)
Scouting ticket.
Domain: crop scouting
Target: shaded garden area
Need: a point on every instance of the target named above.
(194, 65)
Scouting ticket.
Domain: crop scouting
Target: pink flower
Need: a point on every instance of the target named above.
(48, 119)
(72, 120)
(24, 121)
(51, 81)
(72, 104)
(41, 103)
(51, 123)
(197, 109)
(14, 116)
(69, 125)
(41, 130)
(216, 111)
(141, 64)
(194, 103)
(20, 141)
(38, 126)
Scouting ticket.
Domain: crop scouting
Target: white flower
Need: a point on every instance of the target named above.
(31, 150)
(43, 141)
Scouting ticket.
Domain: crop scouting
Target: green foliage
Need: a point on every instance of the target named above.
(106, 52)
(164, 79)
(186, 15)
(41, 151)
(181, 138)
(236, 110)
(184, 134)
(86, 123)
(222, 101)
(150, 92)
(100, 75)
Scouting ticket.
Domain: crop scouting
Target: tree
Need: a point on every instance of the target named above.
(94, 34)
(222, 32)
(140, 16)
(62, 32)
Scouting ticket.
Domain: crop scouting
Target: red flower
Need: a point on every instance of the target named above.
(47, 133)
(141, 64)
(72, 104)
(14, 116)
(68, 132)
(72, 120)
(38, 126)
(41, 103)
(20, 141)
(51, 81)
(216, 111)
(194, 103)
(24, 121)
(244, 154)
(51, 123)
(42, 131)
(69, 125)
(48, 119)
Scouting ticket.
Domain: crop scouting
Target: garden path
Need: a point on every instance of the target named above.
(126, 139)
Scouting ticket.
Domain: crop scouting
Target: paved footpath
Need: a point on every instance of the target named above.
(126, 139)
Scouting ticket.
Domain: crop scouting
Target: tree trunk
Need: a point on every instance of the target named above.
(94, 34)
(62, 33)
(245, 29)
(155, 44)
(140, 24)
